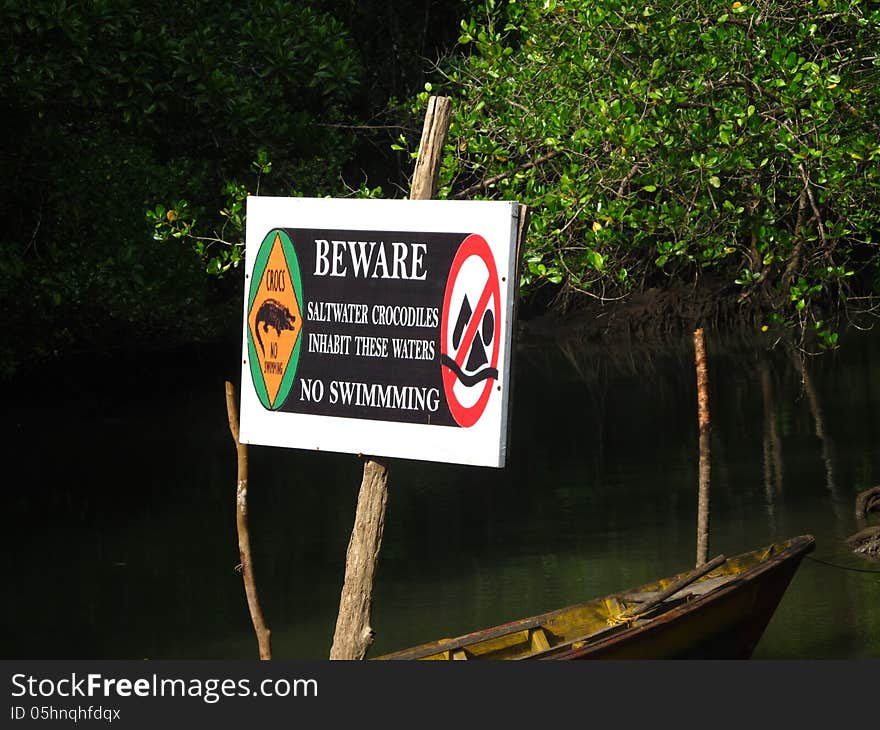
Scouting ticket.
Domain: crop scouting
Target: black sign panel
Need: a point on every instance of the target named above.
(372, 308)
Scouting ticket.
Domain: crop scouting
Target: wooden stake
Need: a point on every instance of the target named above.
(705, 430)
(264, 636)
(434, 131)
(354, 634)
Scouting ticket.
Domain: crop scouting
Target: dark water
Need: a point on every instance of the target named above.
(120, 516)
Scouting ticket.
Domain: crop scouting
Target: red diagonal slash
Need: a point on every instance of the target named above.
(471, 330)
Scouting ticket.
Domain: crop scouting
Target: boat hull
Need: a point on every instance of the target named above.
(710, 614)
(726, 625)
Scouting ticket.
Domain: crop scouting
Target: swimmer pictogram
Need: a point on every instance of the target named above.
(470, 331)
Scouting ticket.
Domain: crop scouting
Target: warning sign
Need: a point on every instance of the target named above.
(380, 327)
(274, 319)
(469, 334)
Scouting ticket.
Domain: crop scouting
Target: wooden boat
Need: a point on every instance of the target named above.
(717, 611)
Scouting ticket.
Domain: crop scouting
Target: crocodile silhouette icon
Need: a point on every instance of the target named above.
(273, 313)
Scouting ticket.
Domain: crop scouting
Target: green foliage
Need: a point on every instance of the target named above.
(224, 248)
(113, 106)
(394, 42)
(660, 142)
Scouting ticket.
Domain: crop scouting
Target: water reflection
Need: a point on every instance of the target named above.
(122, 532)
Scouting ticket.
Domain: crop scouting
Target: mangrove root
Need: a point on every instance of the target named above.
(867, 501)
(866, 542)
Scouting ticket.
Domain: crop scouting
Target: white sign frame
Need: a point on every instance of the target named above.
(485, 442)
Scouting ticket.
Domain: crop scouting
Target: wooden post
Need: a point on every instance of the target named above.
(434, 131)
(264, 636)
(705, 430)
(354, 634)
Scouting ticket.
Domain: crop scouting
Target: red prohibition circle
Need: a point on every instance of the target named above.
(473, 245)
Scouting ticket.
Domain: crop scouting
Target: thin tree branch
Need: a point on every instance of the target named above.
(816, 215)
(477, 187)
(264, 635)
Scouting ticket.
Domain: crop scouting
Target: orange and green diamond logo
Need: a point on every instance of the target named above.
(274, 319)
